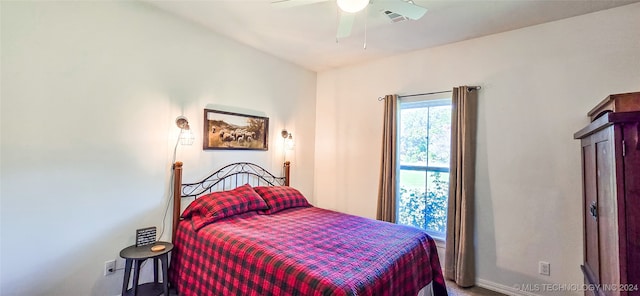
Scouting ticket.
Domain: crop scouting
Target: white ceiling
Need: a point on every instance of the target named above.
(305, 35)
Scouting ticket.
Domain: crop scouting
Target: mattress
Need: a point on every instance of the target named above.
(304, 251)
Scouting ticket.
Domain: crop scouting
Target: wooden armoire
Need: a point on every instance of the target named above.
(611, 196)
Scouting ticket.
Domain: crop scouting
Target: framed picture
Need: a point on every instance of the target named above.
(145, 236)
(227, 130)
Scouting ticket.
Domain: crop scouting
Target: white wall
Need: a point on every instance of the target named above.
(90, 92)
(537, 85)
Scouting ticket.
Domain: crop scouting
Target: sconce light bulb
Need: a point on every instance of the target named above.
(186, 136)
(290, 143)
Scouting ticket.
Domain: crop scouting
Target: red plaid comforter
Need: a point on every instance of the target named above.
(303, 251)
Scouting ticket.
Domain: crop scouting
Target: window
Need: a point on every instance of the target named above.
(424, 148)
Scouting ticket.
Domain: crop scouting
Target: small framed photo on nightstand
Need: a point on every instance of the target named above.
(145, 236)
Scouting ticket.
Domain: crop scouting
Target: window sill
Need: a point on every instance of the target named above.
(440, 241)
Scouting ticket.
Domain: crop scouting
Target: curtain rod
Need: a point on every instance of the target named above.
(432, 93)
(425, 94)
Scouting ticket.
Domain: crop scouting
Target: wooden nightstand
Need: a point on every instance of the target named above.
(134, 257)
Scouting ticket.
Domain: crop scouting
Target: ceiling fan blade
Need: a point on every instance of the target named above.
(345, 23)
(293, 3)
(406, 9)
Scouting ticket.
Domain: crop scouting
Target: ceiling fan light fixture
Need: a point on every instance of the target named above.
(352, 6)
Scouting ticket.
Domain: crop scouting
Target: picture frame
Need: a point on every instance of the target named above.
(145, 236)
(234, 131)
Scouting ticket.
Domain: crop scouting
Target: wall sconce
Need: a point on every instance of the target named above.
(290, 144)
(186, 136)
(288, 139)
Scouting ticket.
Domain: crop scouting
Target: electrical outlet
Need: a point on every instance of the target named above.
(544, 268)
(109, 267)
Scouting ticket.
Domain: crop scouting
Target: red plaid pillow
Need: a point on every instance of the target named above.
(217, 205)
(281, 197)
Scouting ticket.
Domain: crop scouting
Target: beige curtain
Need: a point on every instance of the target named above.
(388, 181)
(459, 254)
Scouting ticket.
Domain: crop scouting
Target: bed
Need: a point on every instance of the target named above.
(249, 233)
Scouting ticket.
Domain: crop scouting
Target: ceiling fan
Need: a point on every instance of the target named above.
(349, 8)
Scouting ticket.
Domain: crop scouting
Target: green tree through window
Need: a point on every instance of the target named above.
(424, 148)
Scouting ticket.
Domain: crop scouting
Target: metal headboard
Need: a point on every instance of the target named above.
(228, 177)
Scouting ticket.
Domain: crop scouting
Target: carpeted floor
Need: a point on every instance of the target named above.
(454, 290)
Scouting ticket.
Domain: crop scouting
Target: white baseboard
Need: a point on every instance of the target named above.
(512, 291)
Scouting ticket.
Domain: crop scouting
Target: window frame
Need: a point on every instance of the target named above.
(413, 103)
